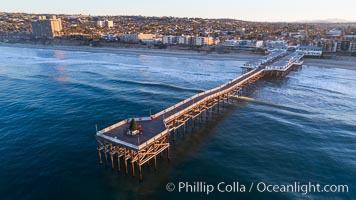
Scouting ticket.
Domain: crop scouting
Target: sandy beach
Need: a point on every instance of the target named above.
(345, 62)
(137, 51)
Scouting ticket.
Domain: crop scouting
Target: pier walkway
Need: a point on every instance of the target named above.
(141, 148)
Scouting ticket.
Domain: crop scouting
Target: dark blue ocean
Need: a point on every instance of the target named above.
(301, 128)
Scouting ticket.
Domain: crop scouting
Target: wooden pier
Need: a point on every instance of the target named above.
(116, 146)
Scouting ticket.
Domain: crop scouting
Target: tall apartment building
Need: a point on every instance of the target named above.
(353, 47)
(109, 23)
(188, 40)
(203, 41)
(100, 23)
(106, 23)
(47, 28)
(344, 45)
(169, 39)
(185, 40)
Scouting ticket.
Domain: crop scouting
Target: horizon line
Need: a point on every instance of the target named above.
(302, 21)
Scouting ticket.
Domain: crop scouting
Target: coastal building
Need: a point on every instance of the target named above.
(109, 24)
(47, 28)
(106, 23)
(169, 39)
(312, 51)
(203, 41)
(343, 46)
(135, 38)
(128, 38)
(146, 36)
(353, 47)
(279, 44)
(243, 44)
(333, 34)
(185, 40)
(328, 45)
(350, 37)
(188, 40)
(152, 41)
(99, 23)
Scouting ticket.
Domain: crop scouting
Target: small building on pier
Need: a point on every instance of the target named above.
(312, 51)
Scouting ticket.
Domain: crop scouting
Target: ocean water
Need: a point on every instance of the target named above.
(301, 128)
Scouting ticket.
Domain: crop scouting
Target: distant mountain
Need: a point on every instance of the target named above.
(326, 21)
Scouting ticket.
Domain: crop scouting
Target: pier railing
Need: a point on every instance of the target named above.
(117, 141)
(199, 95)
(208, 97)
(112, 127)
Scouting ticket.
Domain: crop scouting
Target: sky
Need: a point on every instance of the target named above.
(251, 10)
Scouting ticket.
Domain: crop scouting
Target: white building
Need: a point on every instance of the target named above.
(185, 40)
(188, 40)
(334, 33)
(99, 23)
(350, 37)
(279, 44)
(259, 43)
(310, 50)
(243, 44)
(169, 39)
(106, 23)
(203, 41)
(109, 24)
(353, 47)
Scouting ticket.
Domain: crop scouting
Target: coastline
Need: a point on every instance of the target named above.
(342, 62)
(138, 51)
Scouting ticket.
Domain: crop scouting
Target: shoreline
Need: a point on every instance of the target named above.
(342, 62)
(140, 51)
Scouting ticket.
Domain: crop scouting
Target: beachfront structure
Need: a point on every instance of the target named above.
(202, 41)
(135, 38)
(185, 40)
(279, 44)
(188, 40)
(243, 44)
(344, 46)
(350, 37)
(146, 36)
(47, 28)
(328, 45)
(312, 51)
(169, 39)
(128, 38)
(353, 47)
(152, 41)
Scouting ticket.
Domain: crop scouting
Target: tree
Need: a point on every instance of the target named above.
(133, 125)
